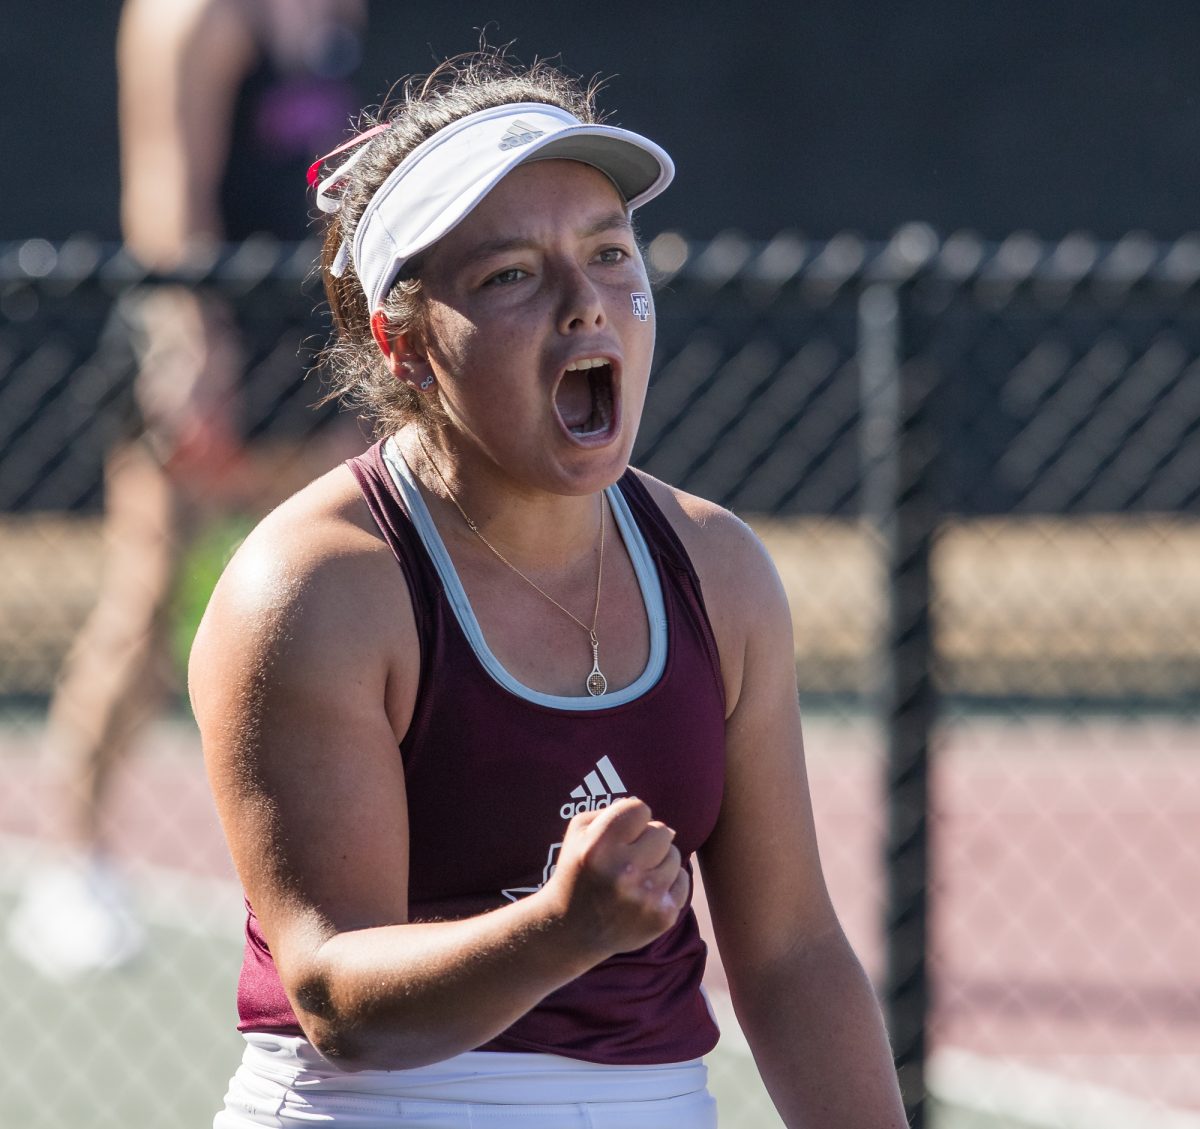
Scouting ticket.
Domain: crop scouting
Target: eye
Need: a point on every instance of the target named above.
(505, 277)
(612, 256)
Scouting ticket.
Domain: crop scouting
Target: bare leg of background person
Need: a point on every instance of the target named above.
(113, 681)
(74, 916)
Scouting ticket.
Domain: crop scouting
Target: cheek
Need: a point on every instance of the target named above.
(639, 315)
(451, 340)
(632, 298)
(641, 308)
(639, 357)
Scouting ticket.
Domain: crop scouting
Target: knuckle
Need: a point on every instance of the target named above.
(583, 818)
(632, 805)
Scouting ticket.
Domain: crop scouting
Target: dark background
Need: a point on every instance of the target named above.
(1048, 117)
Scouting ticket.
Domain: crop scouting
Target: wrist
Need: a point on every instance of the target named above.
(576, 939)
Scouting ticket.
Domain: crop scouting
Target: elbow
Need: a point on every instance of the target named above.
(335, 1035)
(347, 1050)
(354, 1036)
(351, 1050)
(341, 1033)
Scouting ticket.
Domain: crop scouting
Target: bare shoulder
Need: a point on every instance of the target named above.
(320, 542)
(313, 589)
(721, 545)
(302, 679)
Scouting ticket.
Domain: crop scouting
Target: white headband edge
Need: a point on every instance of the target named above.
(374, 228)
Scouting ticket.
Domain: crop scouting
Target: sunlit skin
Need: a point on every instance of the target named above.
(538, 275)
(307, 665)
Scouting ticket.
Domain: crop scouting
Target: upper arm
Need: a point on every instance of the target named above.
(761, 868)
(293, 679)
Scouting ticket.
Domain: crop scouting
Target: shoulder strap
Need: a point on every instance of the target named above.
(666, 547)
(396, 528)
(660, 534)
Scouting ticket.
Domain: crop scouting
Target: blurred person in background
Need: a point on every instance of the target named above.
(222, 104)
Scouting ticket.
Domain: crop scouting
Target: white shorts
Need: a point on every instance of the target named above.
(283, 1083)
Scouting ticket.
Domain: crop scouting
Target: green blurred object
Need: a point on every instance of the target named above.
(205, 559)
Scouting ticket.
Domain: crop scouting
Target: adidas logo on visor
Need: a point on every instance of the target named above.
(519, 134)
(599, 788)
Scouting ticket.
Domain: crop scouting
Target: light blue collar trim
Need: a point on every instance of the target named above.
(643, 567)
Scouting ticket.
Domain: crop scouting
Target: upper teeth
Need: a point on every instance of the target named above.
(587, 362)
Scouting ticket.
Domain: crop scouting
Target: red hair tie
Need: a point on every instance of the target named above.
(325, 200)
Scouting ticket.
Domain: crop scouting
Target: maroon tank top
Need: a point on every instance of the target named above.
(493, 777)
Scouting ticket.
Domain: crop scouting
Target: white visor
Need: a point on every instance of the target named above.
(442, 179)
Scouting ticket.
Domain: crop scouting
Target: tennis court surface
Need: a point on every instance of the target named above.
(1064, 958)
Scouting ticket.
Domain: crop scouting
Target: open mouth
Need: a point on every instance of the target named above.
(584, 398)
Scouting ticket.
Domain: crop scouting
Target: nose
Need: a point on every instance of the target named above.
(581, 307)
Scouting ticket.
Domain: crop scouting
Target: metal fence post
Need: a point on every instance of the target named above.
(898, 500)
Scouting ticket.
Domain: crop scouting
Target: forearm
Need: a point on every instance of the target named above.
(401, 996)
(819, 1040)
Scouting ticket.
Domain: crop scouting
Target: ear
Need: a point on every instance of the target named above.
(404, 359)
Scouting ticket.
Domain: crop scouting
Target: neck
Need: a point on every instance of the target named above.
(534, 528)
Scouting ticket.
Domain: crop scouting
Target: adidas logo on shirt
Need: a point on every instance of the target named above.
(519, 134)
(599, 788)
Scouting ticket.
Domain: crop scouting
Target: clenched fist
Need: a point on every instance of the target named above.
(619, 881)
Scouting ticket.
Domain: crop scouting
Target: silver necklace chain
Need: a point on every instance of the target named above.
(596, 683)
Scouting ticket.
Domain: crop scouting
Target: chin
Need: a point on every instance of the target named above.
(598, 467)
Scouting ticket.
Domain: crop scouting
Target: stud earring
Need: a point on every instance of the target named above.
(427, 383)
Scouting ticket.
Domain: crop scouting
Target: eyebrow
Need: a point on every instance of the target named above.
(609, 222)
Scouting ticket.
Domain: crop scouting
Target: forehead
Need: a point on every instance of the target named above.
(536, 200)
(558, 175)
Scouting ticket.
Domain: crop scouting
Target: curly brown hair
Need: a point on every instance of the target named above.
(481, 80)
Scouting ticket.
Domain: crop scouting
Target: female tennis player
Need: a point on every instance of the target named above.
(472, 703)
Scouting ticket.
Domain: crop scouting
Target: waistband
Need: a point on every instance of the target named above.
(482, 1077)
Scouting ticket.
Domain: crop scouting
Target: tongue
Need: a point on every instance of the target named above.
(574, 399)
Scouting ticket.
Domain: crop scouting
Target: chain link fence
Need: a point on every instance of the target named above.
(977, 467)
